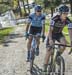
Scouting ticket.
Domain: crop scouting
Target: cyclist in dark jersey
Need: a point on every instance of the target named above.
(55, 31)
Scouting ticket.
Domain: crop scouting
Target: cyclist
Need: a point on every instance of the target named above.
(36, 25)
(57, 24)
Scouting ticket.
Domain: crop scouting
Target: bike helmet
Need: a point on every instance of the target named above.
(38, 8)
(63, 9)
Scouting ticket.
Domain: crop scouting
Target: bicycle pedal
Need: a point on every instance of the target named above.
(44, 73)
(31, 71)
(70, 52)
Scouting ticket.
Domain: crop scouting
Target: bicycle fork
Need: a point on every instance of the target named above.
(53, 59)
(33, 47)
(32, 53)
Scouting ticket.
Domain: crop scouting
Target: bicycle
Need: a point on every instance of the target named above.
(33, 49)
(56, 64)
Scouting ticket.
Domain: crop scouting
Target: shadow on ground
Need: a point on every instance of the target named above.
(36, 70)
(9, 39)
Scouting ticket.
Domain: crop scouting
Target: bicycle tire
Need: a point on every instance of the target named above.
(51, 67)
(32, 60)
(61, 65)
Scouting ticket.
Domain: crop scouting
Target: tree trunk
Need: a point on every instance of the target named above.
(24, 7)
(35, 1)
(19, 9)
(28, 7)
(52, 9)
(71, 6)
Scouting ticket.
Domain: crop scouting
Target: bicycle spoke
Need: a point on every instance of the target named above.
(61, 65)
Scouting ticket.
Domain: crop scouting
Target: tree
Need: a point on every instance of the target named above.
(46, 3)
(57, 2)
(28, 6)
(24, 7)
(4, 6)
(19, 8)
(71, 5)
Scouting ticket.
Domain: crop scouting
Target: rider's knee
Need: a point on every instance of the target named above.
(64, 43)
(29, 40)
(38, 40)
(48, 49)
(62, 48)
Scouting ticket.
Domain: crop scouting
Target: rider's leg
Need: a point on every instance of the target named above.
(38, 43)
(38, 33)
(31, 32)
(64, 42)
(48, 53)
(28, 47)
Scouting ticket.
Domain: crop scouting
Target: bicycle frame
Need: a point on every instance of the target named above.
(34, 44)
(33, 48)
(55, 50)
(55, 57)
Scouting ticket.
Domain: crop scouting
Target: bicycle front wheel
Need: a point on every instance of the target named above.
(61, 65)
(32, 60)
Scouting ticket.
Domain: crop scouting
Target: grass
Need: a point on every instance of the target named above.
(65, 31)
(46, 25)
(5, 32)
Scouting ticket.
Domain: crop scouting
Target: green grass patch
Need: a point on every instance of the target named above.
(65, 29)
(47, 23)
(5, 32)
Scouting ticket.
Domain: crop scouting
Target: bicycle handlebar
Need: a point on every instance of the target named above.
(59, 45)
(62, 45)
(43, 37)
(65, 46)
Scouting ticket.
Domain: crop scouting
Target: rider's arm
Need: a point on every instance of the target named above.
(43, 29)
(28, 23)
(70, 32)
(27, 27)
(51, 29)
(43, 25)
(50, 33)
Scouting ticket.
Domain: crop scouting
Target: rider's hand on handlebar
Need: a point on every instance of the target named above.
(43, 37)
(26, 35)
(70, 49)
(51, 42)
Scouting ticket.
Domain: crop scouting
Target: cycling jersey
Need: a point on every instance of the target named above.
(36, 21)
(58, 24)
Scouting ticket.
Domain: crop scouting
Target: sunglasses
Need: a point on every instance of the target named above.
(38, 11)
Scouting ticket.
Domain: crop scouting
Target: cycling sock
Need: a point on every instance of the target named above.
(28, 54)
(37, 51)
(45, 67)
(37, 46)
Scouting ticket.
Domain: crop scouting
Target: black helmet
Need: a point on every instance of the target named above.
(38, 8)
(63, 8)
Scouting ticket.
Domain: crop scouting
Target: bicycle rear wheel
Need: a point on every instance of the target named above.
(60, 65)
